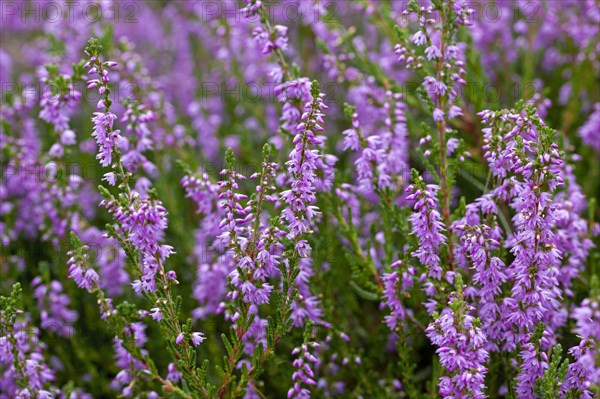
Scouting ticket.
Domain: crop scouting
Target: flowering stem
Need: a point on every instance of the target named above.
(264, 18)
(445, 189)
(280, 330)
(162, 297)
(79, 259)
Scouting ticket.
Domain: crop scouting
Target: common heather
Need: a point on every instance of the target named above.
(300, 199)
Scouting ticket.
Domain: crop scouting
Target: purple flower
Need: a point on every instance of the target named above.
(253, 294)
(419, 38)
(144, 223)
(533, 364)
(426, 225)
(434, 88)
(584, 373)
(57, 108)
(110, 178)
(455, 111)
(110, 259)
(391, 299)
(197, 338)
(138, 138)
(383, 157)
(106, 138)
(172, 275)
(211, 277)
(173, 374)
(304, 373)
(307, 306)
(23, 370)
(267, 42)
(83, 275)
(461, 351)
(68, 137)
(156, 314)
(126, 361)
(590, 131)
(351, 137)
(289, 93)
(252, 7)
(479, 242)
(432, 52)
(302, 166)
(534, 270)
(54, 307)
(179, 338)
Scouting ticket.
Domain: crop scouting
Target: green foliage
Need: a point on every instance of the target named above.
(549, 386)
(8, 306)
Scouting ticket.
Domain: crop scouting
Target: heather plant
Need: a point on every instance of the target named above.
(328, 199)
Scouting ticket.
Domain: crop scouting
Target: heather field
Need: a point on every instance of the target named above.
(301, 199)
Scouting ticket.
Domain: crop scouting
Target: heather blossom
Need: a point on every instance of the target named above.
(480, 244)
(290, 93)
(534, 297)
(300, 198)
(584, 373)
(382, 158)
(211, 278)
(58, 103)
(24, 372)
(304, 373)
(589, 132)
(137, 138)
(144, 223)
(56, 314)
(84, 276)
(426, 224)
(461, 349)
(393, 286)
(302, 167)
(107, 139)
(267, 43)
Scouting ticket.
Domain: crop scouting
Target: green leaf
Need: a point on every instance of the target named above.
(368, 295)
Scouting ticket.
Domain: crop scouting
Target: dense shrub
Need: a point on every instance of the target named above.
(351, 199)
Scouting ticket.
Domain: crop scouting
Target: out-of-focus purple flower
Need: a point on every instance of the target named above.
(57, 108)
(197, 338)
(584, 372)
(590, 131)
(434, 88)
(173, 374)
(54, 307)
(137, 138)
(392, 301)
(23, 370)
(156, 314)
